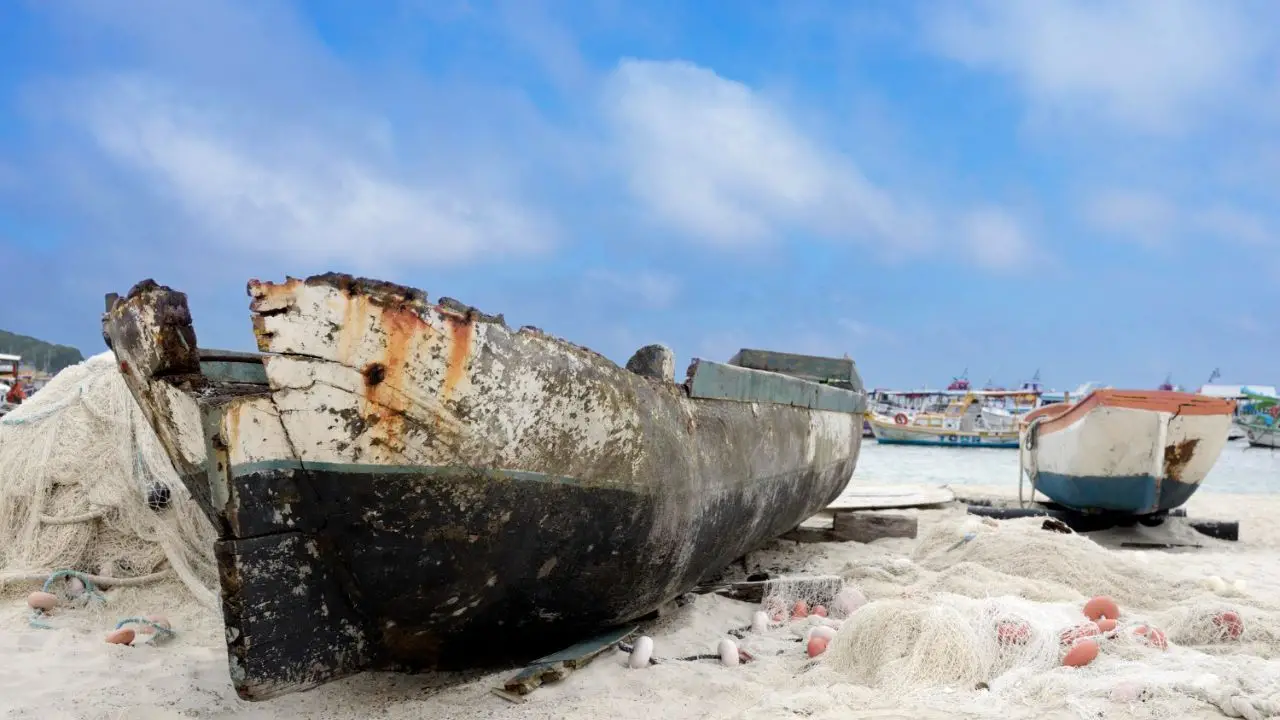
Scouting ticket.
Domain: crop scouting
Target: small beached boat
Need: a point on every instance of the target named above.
(1137, 452)
(400, 485)
(966, 422)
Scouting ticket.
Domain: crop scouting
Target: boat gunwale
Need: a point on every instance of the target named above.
(1060, 416)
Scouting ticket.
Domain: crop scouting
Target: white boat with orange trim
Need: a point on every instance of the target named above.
(967, 421)
(1136, 452)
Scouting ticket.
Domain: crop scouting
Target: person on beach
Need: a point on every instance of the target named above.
(16, 394)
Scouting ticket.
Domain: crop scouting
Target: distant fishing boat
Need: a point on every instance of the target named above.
(1135, 452)
(966, 422)
(1261, 426)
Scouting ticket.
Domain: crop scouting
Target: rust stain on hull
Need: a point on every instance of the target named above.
(461, 331)
(1177, 456)
(385, 394)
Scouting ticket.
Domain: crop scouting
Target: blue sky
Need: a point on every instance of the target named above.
(1088, 188)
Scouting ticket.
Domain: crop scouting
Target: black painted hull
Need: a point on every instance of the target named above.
(431, 584)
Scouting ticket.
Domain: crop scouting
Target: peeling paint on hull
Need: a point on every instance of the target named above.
(415, 482)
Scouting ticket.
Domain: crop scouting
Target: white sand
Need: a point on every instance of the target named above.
(70, 672)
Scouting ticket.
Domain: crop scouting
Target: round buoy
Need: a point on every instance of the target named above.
(159, 620)
(1154, 636)
(824, 631)
(728, 652)
(1229, 624)
(800, 610)
(847, 601)
(759, 622)
(123, 636)
(42, 601)
(1072, 634)
(819, 610)
(817, 645)
(1013, 633)
(1081, 654)
(1106, 625)
(158, 496)
(641, 652)
(1100, 607)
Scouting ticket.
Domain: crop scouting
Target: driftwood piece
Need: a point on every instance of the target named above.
(1228, 530)
(866, 527)
(557, 666)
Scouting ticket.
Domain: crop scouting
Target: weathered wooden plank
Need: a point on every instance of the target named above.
(891, 496)
(807, 367)
(713, 380)
(866, 527)
(557, 666)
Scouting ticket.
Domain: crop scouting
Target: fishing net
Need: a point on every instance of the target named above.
(86, 486)
(986, 608)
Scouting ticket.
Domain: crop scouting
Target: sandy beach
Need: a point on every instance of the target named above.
(912, 585)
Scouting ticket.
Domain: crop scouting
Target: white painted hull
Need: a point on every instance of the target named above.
(1125, 459)
(1263, 436)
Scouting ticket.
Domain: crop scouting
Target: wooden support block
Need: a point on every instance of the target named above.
(866, 527)
(1220, 529)
(810, 534)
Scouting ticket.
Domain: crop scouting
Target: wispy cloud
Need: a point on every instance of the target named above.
(653, 289)
(1153, 65)
(1145, 218)
(1151, 220)
(718, 162)
(995, 238)
(291, 182)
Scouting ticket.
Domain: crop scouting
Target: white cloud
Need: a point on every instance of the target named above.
(1234, 225)
(291, 190)
(714, 160)
(1149, 64)
(1149, 219)
(1137, 216)
(995, 238)
(654, 289)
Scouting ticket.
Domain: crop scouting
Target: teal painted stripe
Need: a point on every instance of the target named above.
(372, 469)
(716, 381)
(253, 373)
(942, 443)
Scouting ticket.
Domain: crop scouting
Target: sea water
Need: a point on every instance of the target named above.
(1239, 469)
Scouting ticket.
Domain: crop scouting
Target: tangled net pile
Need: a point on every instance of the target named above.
(78, 462)
(981, 607)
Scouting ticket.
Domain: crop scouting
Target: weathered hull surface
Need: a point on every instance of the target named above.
(890, 433)
(407, 485)
(1128, 452)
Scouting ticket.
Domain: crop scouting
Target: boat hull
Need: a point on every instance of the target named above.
(405, 485)
(888, 433)
(1260, 435)
(1125, 452)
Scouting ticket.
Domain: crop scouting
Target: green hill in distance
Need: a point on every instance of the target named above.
(39, 354)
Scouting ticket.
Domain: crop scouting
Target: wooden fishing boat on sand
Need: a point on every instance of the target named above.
(1133, 452)
(402, 485)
